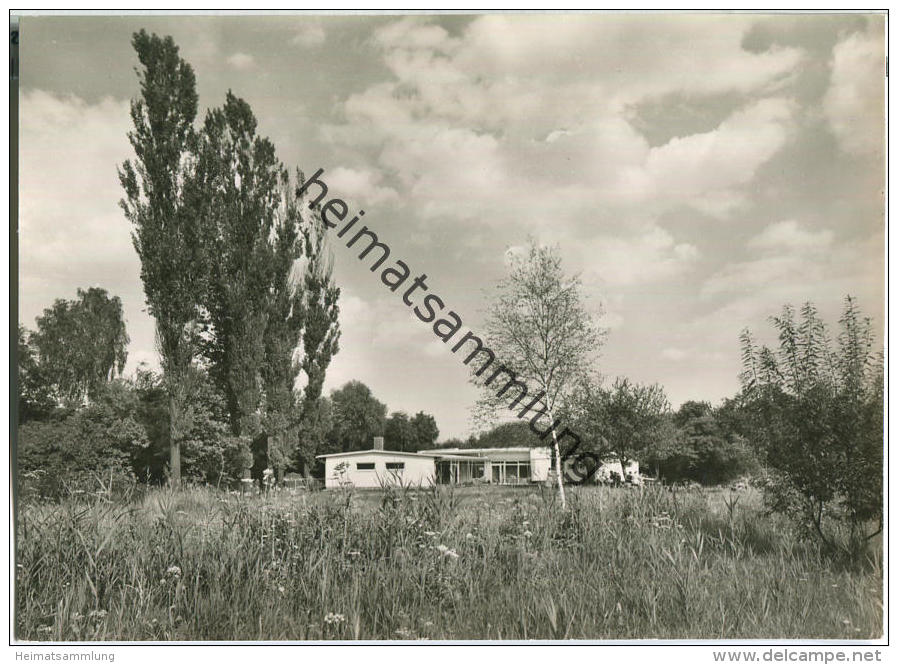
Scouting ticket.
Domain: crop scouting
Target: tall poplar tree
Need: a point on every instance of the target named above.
(238, 177)
(166, 227)
(271, 303)
(302, 331)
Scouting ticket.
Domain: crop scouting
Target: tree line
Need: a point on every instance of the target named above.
(237, 277)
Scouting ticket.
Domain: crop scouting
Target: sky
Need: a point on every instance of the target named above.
(697, 171)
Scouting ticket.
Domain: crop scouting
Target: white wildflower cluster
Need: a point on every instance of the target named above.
(664, 521)
(332, 619)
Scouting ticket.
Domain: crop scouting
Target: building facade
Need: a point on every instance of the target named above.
(452, 466)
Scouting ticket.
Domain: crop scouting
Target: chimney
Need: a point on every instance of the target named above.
(378, 443)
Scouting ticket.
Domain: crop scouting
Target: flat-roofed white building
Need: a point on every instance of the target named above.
(377, 467)
(519, 465)
(504, 466)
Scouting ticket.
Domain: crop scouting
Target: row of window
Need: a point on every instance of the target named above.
(369, 466)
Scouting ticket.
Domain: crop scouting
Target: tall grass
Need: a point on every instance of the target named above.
(398, 564)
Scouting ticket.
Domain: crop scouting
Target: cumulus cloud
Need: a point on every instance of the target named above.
(241, 61)
(707, 169)
(360, 187)
(520, 124)
(855, 101)
(790, 235)
(649, 255)
(787, 255)
(71, 231)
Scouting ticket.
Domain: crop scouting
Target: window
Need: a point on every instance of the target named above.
(511, 473)
(365, 466)
(395, 466)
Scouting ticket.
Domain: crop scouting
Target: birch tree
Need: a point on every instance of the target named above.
(540, 328)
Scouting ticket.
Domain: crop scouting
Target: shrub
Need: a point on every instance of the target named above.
(817, 412)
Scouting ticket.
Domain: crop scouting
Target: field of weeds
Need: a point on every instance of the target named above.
(487, 563)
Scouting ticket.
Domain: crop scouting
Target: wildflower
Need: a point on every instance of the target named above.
(281, 589)
(173, 571)
(97, 614)
(45, 629)
(525, 524)
(355, 553)
(428, 624)
(527, 534)
(442, 548)
(469, 536)
(430, 533)
(334, 619)
(451, 554)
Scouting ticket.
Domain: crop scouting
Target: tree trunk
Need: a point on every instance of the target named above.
(174, 441)
(177, 420)
(559, 463)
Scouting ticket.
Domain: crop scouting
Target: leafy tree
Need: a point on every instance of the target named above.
(80, 345)
(35, 396)
(84, 449)
(151, 462)
(426, 430)
(506, 435)
(320, 339)
(234, 273)
(541, 331)
(453, 442)
(210, 453)
(167, 227)
(623, 421)
(271, 290)
(667, 456)
(399, 433)
(704, 449)
(316, 425)
(357, 417)
(238, 176)
(816, 410)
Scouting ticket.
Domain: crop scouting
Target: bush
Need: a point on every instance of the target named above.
(78, 454)
(817, 412)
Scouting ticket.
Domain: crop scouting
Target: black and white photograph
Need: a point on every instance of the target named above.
(440, 328)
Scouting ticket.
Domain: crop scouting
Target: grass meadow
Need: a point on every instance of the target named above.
(470, 563)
